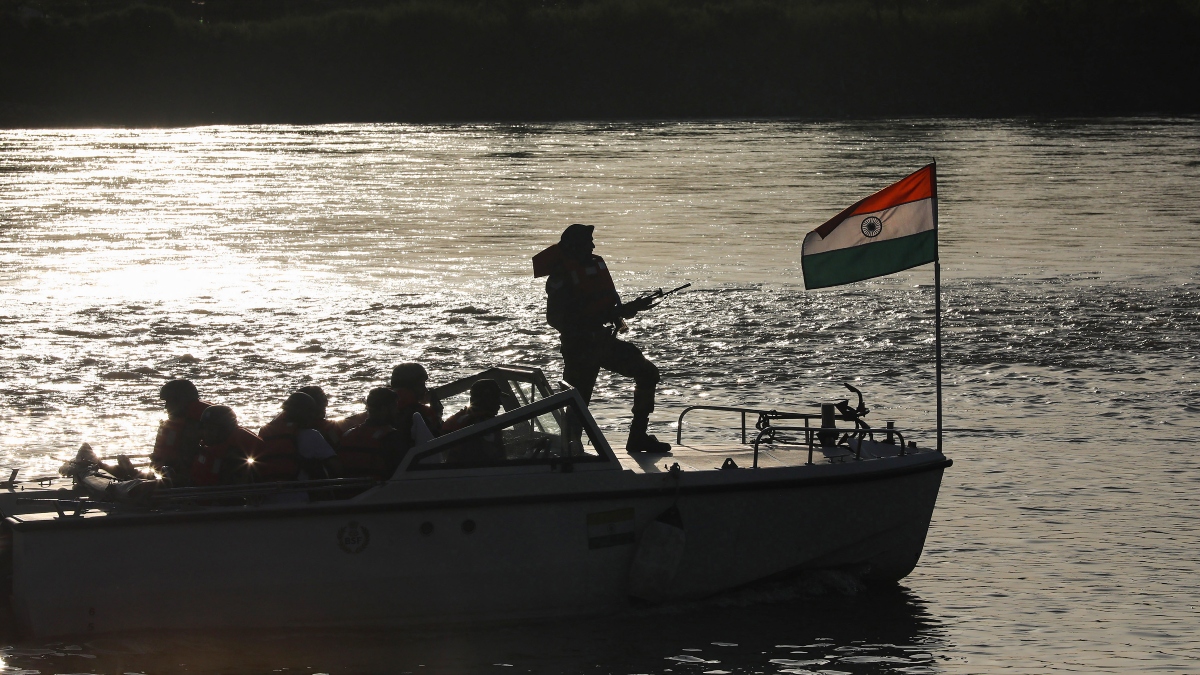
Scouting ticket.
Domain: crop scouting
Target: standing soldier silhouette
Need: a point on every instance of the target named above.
(583, 304)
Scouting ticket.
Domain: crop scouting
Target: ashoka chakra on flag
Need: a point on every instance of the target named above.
(892, 230)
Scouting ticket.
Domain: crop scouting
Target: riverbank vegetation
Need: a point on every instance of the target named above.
(71, 62)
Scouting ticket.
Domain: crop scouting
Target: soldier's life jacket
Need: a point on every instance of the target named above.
(367, 450)
(277, 459)
(461, 420)
(213, 461)
(168, 446)
(480, 450)
(345, 424)
(331, 431)
(590, 282)
(406, 405)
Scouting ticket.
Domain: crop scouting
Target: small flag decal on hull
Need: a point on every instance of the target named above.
(610, 528)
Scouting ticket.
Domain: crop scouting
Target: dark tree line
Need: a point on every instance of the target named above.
(188, 62)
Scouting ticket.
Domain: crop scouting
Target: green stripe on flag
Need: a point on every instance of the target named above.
(847, 265)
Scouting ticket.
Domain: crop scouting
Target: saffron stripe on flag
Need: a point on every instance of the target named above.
(856, 263)
(921, 184)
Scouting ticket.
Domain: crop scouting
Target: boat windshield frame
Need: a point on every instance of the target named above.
(606, 458)
(506, 376)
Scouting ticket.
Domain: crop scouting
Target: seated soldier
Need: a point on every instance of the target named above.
(178, 437)
(331, 430)
(293, 448)
(409, 382)
(328, 428)
(345, 424)
(225, 449)
(485, 404)
(485, 449)
(374, 448)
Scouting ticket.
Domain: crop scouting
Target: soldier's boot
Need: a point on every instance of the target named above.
(640, 441)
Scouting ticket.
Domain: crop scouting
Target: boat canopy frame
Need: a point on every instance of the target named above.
(605, 458)
(511, 397)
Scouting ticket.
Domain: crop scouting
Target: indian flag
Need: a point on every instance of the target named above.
(892, 230)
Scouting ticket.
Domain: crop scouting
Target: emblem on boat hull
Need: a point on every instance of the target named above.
(610, 528)
(353, 538)
(872, 226)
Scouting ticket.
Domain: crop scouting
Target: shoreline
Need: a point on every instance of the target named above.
(1159, 117)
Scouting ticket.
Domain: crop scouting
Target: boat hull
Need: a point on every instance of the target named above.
(465, 552)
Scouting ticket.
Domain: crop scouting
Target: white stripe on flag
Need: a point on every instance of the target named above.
(898, 221)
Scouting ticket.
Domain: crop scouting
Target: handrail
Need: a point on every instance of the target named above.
(773, 414)
(766, 430)
(861, 432)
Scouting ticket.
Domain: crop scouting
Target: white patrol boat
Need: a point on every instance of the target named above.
(563, 525)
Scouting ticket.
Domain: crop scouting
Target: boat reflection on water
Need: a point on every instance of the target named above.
(811, 624)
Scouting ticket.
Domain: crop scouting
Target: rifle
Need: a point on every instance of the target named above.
(657, 295)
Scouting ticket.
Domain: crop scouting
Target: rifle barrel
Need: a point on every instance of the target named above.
(659, 294)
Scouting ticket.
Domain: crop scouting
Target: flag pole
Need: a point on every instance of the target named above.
(937, 316)
(937, 342)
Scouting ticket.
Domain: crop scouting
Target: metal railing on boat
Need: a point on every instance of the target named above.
(767, 431)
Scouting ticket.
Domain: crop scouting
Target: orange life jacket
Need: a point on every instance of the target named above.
(206, 470)
(277, 459)
(548, 261)
(167, 444)
(331, 431)
(461, 420)
(407, 404)
(591, 281)
(485, 449)
(364, 453)
(345, 424)
(595, 287)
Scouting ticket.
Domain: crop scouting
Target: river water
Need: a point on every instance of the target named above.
(257, 259)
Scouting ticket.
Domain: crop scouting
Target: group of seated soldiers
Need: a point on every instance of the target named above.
(202, 444)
